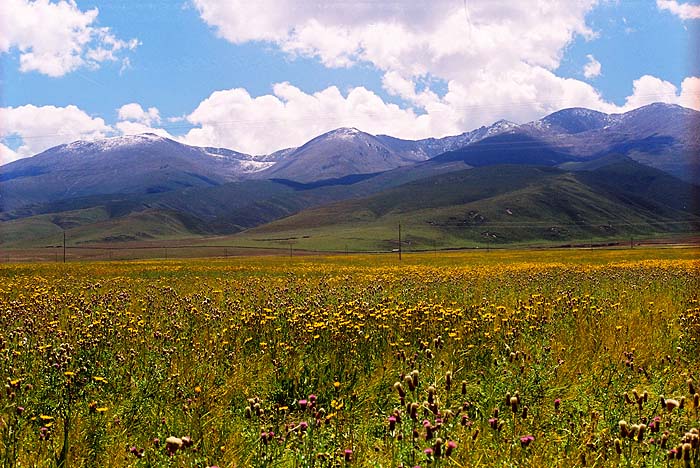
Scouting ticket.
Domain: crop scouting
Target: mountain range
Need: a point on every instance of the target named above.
(599, 166)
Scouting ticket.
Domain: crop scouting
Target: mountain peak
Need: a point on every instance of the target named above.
(114, 142)
(344, 132)
(575, 120)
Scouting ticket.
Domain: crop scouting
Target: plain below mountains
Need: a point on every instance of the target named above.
(574, 174)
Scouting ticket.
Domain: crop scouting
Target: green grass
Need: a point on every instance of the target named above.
(101, 359)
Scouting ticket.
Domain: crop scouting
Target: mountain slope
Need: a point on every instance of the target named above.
(507, 148)
(502, 204)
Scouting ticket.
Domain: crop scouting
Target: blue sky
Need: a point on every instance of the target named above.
(258, 77)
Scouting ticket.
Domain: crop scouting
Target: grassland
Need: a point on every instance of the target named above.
(518, 358)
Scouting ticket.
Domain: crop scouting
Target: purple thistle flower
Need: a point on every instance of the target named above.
(526, 440)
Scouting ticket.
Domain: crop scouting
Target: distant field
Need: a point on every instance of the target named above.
(310, 242)
(517, 358)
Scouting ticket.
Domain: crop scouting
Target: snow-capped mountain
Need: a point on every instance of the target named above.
(339, 153)
(128, 164)
(659, 135)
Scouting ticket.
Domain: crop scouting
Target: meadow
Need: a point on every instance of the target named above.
(516, 358)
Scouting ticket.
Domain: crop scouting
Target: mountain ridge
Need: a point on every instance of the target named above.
(142, 178)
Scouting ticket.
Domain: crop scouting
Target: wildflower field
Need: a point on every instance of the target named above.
(580, 358)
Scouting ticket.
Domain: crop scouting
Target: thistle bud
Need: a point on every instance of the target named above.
(414, 411)
(624, 429)
(431, 394)
(618, 446)
(399, 388)
(640, 432)
(514, 404)
(409, 381)
(414, 376)
(448, 380)
(464, 388)
(437, 448)
(686, 451)
(672, 404)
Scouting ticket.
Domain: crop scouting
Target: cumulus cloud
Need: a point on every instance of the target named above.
(690, 93)
(496, 60)
(40, 128)
(438, 34)
(134, 120)
(57, 38)
(134, 112)
(7, 155)
(649, 89)
(684, 11)
(592, 69)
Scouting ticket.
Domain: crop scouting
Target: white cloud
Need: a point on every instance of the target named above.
(423, 34)
(690, 93)
(134, 112)
(592, 69)
(137, 128)
(134, 120)
(684, 11)
(497, 59)
(40, 128)
(649, 89)
(7, 155)
(57, 38)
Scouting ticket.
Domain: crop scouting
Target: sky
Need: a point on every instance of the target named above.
(270, 74)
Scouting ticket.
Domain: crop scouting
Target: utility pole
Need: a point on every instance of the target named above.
(64, 246)
(399, 241)
(290, 250)
(631, 242)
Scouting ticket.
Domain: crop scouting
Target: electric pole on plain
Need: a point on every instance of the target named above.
(399, 241)
(64, 246)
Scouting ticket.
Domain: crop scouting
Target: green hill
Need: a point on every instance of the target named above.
(496, 205)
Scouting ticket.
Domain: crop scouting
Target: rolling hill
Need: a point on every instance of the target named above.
(501, 204)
